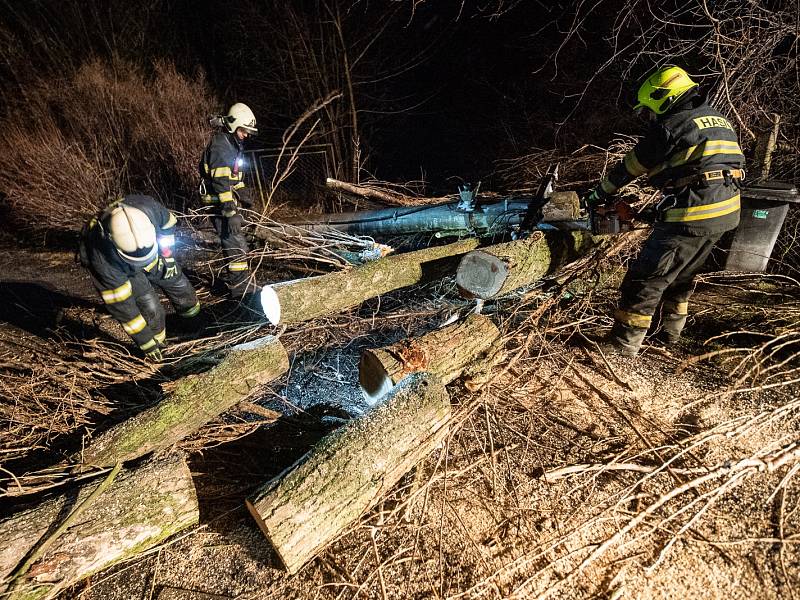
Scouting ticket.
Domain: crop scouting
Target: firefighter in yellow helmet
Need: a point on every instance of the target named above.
(223, 188)
(691, 152)
(126, 248)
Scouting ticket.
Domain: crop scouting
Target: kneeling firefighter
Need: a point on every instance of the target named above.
(691, 152)
(222, 187)
(126, 248)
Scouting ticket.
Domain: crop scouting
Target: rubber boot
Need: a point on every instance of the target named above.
(624, 340)
(242, 286)
(671, 327)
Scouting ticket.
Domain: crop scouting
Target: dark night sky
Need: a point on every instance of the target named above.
(474, 99)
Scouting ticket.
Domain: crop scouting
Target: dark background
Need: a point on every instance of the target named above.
(442, 90)
(429, 92)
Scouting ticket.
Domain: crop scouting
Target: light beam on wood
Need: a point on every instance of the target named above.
(140, 509)
(348, 471)
(444, 352)
(502, 268)
(305, 299)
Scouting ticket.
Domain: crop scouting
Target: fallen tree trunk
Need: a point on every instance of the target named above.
(444, 352)
(138, 510)
(193, 401)
(489, 217)
(346, 473)
(502, 268)
(305, 299)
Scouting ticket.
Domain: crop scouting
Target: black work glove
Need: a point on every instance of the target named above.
(154, 354)
(245, 197)
(595, 198)
(648, 215)
(168, 266)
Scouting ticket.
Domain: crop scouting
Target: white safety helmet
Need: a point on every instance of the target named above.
(133, 235)
(240, 115)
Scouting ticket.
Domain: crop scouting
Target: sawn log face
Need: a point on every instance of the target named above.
(305, 299)
(194, 401)
(502, 268)
(141, 508)
(346, 473)
(444, 352)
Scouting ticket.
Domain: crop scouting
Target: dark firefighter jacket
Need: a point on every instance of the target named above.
(113, 274)
(221, 172)
(692, 153)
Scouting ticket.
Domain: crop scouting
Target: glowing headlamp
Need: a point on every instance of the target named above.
(165, 244)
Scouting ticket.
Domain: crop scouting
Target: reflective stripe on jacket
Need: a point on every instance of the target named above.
(112, 276)
(691, 139)
(220, 170)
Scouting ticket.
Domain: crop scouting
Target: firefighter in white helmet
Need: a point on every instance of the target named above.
(126, 248)
(223, 188)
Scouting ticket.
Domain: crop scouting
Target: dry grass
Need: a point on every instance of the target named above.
(105, 129)
(565, 475)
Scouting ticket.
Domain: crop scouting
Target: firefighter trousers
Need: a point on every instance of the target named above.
(663, 273)
(177, 288)
(234, 248)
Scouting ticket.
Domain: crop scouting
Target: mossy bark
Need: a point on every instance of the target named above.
(195, 400)
(444, 352)
(141, 508)
(502, 268)
(305, 299)
(307, 507)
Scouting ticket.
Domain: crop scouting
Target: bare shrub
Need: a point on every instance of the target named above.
(108, 128)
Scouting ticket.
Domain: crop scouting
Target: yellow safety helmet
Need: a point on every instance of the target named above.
(663, 88)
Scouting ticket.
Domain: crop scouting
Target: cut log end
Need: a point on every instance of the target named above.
(262, 525)
(374, 379)
(271, 304)
(481, 275)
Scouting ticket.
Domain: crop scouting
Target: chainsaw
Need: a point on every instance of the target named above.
(618, 217)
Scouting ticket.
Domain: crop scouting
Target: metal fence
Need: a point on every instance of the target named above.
(304, 183)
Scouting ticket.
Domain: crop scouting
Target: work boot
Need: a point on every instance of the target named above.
(240, 286)
(671, 328)
(624, 340)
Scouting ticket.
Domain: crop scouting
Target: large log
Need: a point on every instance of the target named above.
(502, 268)
(140, 508)
(305, 299)
(489, 217)
(193, 401)
(444, 352)
(345, 474)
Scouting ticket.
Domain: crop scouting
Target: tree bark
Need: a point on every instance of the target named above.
(502, 268)
(345, 474)
(444, 352)
(194, 400)
(562, 206)
(305, 299)
(141, 508)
